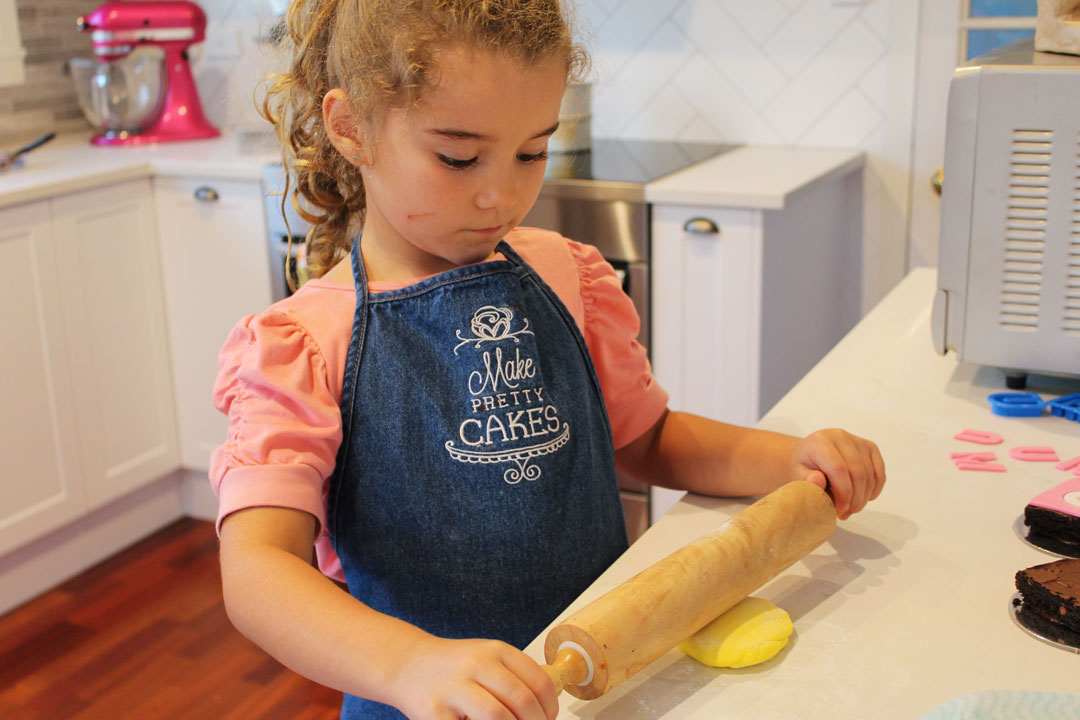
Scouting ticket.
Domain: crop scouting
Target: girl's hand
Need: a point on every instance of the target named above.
(848, 467)
(475, 679)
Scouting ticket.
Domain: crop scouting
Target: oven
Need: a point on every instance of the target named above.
(594, 196)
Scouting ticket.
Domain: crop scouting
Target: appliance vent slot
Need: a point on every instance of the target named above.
(1025, 230)
(1070, 320)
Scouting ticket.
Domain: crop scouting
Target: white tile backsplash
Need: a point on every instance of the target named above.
(731, 51)
(874, 84)
(849, 121)
(628, 26)
(759, 19)
(630, 92)
(232, 60)
(876, 15)
(676, 115)
(824, 80)
(788, 72)
(724, 114)
(807, 32)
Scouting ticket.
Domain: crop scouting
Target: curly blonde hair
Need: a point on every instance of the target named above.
(382, 54)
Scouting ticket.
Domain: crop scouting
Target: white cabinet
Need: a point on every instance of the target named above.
(41, 485)
(707, 310)
(88, 411)
(741, 313)
(118, 343)
(217, 270)
(747, 300)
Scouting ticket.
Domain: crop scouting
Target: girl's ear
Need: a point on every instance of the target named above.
(342, 127)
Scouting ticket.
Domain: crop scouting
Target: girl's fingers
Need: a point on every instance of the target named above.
(476, 703)
(513, 694)
(818, 478)
(526, 670)
(840, 483)
(863, 481)
(879, 470)
(852, 465)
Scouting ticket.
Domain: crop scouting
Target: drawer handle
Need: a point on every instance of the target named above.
(701, 226)
(206, 194)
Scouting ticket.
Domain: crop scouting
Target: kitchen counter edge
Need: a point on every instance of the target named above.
(752, 176)
(70, 164)
(763, 177)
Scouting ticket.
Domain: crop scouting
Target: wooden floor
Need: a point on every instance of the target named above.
(144, 635)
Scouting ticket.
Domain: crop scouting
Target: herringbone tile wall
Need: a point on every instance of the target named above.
(758, 71)
(827, 73)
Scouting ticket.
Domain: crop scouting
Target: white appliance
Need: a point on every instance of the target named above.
(1009, 260)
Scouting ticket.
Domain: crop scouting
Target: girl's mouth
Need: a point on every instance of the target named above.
(487, 231)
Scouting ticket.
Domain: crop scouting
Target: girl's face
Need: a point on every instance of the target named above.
(449, 177)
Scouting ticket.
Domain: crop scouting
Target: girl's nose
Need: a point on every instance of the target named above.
(498, 190)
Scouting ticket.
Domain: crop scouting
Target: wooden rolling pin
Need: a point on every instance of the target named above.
(621, 632)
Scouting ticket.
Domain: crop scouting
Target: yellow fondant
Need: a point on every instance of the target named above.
(749, 633)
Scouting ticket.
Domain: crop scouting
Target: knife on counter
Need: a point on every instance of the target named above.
(8, 160)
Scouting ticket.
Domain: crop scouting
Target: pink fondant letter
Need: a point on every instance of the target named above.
(978, 436)
(1068, 464)
(983, 466)
(1034, 454)
(973, 456)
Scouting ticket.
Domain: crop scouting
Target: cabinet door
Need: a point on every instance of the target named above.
(41, 485)
(707, 309)
(217, 270)
(117, 338)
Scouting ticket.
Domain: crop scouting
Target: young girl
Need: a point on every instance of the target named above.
(440, 413)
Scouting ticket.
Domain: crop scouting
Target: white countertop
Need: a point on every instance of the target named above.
(70, 163)
(753, 176)
(747, 177)
(907, 605)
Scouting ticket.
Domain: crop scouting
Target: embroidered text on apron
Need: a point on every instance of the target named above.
(474, 493)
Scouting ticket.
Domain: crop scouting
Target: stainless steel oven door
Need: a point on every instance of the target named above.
(617, 226)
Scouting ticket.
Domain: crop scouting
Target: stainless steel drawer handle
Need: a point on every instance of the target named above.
(206, 194)
(701, 226)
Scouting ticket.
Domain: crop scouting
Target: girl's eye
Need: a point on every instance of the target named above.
(533, 158)
(454, 162)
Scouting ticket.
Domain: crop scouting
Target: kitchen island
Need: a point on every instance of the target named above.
(908, 604)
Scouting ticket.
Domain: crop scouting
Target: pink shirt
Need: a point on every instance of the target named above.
(281, 373)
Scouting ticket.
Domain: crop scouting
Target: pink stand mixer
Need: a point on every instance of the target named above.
(141, 89)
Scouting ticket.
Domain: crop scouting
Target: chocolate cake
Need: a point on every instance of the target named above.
(1050, 600)
(1054, 518)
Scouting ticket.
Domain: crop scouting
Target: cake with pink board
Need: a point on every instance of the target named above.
(1053, 519)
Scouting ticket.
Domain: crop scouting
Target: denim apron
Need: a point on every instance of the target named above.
(474, 493)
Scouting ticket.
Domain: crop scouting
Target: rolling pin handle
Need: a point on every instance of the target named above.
(569, 668)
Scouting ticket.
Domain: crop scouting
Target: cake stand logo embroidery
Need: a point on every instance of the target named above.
(491, 324)
(509, 417)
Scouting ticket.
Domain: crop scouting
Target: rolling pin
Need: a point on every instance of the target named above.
(626, 629)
